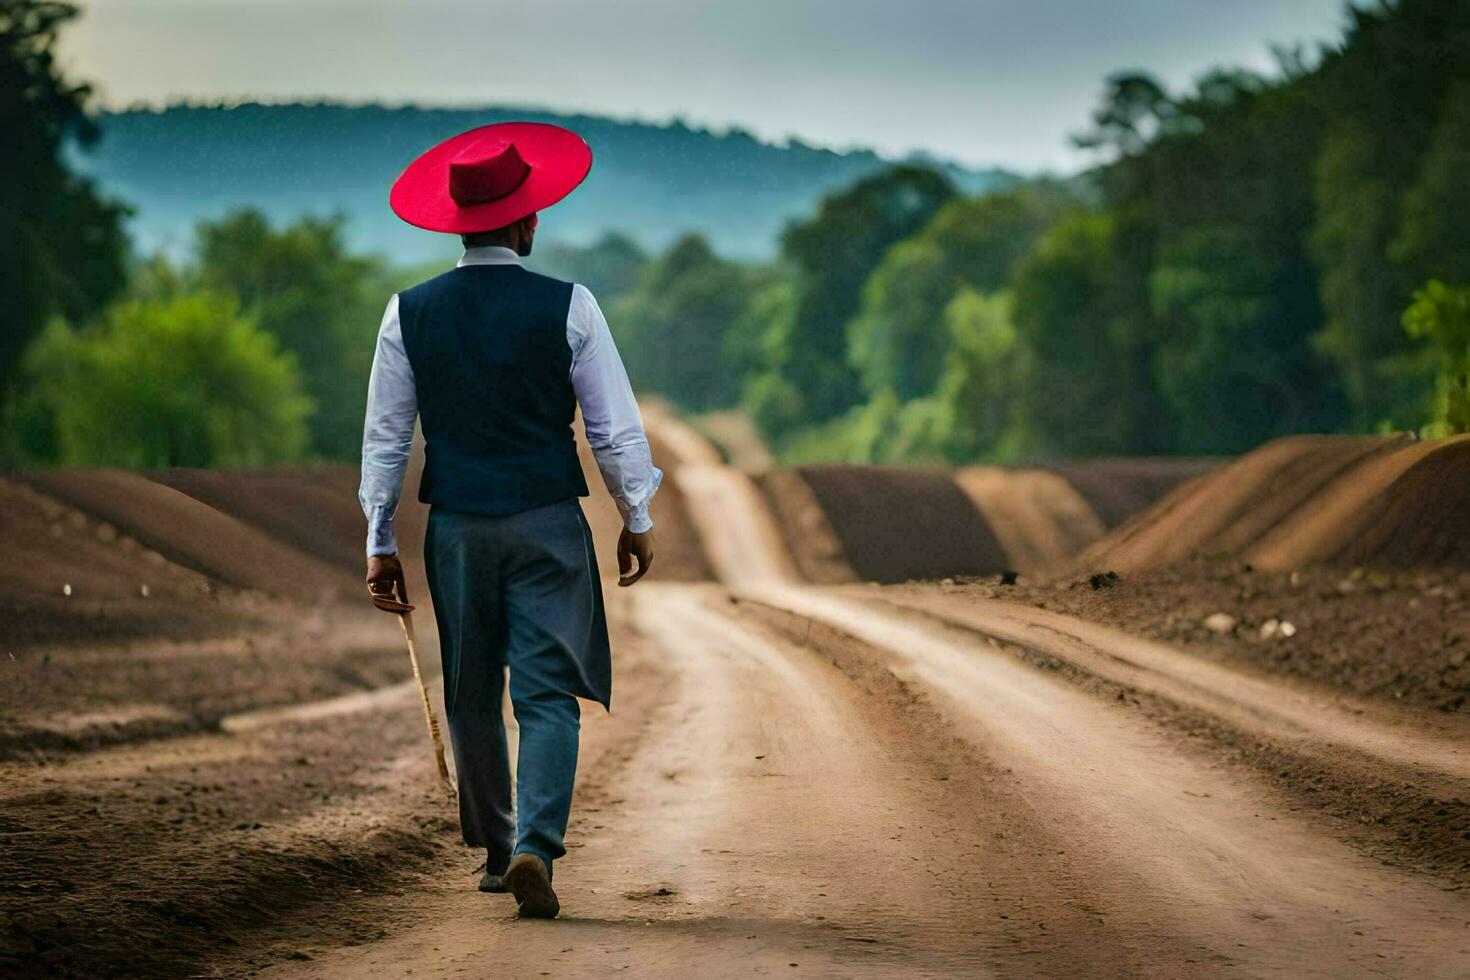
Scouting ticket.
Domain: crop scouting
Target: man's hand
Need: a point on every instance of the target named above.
(633, 545)
(385, 581)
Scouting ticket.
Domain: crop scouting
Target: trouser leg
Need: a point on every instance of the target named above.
(471, 647)
(546, 767)
(477, 733)
(554, 639)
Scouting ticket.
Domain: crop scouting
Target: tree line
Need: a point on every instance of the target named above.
(1264, 254)
(1260, 255)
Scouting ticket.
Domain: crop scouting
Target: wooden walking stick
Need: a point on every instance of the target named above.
(405, 619)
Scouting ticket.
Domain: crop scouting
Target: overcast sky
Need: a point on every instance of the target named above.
(985, 82)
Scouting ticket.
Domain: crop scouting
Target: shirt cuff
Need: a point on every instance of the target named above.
(637, 519)
(634, 506)
(380, 540)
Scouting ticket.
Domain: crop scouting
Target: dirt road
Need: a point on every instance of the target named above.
(832, 785)
(811, 781)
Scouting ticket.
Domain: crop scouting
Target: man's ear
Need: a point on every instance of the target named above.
(526, 232)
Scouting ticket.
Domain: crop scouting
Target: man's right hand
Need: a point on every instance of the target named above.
(633, 545)
(385, 581)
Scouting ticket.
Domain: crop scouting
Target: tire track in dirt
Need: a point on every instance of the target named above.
(738, 534)
(1214, 856)
(778, 816)
(149, 859)
(78, 698)
(230, 852)
(1206, 853)
(1437, 748)
(1377, 777)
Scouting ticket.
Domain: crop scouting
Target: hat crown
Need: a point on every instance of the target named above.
(490, 176)
(486, 171)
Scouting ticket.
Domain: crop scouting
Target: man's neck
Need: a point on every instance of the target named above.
(488, 239)
(489, 255)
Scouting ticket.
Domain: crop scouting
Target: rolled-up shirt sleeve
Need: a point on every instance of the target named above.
(387, 436)
(610, 412)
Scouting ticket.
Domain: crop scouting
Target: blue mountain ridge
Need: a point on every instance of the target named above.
(181, 164)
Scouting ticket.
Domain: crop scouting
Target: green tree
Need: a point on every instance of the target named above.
(1087, 392)
(323, 303)
(760, 333)
(608, 267)
(185, 381)
(1212, 284)
(897, 339)
(1440, 316)
(677, 324)
(760, 343)
(882, 430)
(982, 388)
(1432, 237)
(831, 255)
(1234, 366)
(1388, 149)
(62, 248)
(1135, 110)
(1357, 209)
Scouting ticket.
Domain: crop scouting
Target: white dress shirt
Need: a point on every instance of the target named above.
(609, 412)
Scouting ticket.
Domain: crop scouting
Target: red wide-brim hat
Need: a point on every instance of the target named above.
(490, 177)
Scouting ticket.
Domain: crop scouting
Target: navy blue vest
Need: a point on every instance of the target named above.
(488, 347)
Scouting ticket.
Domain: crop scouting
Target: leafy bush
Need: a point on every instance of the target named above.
(1440, 314)
(185, 381)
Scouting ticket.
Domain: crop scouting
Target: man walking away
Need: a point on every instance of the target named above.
(494, 360)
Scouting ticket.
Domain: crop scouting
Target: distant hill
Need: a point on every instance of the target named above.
(184, 163)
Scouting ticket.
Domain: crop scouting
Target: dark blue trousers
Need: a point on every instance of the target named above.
(518, 592)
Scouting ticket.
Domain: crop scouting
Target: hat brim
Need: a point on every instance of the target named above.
(559, 160)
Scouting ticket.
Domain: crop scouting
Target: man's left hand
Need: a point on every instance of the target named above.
(633, 546)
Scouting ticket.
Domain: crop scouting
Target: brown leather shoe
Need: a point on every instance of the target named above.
(530, 882)
(493, 881)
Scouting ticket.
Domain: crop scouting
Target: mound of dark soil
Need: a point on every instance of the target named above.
(1421, 519)
(1309, 500)
(898, 524)
(314, 508)
(1119, 488)
(196, 536)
